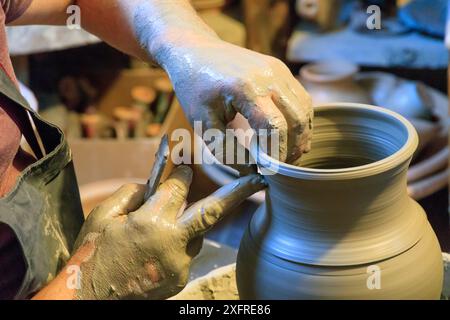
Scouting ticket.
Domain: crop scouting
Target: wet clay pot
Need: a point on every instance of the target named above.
(342, 225)
(332, 81)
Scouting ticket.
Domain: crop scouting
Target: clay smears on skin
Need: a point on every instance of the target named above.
(223, 75)
(153, 244)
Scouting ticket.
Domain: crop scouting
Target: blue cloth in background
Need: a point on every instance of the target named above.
(425, 16)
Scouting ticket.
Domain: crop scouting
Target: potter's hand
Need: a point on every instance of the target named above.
(140, 250)
(214, 80)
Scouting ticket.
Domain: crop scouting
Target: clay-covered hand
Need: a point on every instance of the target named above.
(214, 80)
(143, 250)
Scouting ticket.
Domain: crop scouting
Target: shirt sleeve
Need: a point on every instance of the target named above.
(14, 8)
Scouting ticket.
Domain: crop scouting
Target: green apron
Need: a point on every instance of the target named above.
(44, 208)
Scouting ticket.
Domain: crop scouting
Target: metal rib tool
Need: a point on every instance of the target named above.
(161, 157)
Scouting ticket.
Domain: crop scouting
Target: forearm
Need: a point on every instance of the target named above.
(58, 288)
(162, 26)
(44, 12)
(68, 281)
(143, 28)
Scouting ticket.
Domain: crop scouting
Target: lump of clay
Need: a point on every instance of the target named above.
(219, 284)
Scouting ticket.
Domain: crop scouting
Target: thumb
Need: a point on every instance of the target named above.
(207, 212)
(226, 147)
(170, 196)
(126, 199)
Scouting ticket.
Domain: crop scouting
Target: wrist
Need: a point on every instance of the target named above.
(66, 284)
(169, 52)
(166, 29)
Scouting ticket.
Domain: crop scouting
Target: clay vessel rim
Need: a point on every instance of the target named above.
(328, 71)
(399, 157)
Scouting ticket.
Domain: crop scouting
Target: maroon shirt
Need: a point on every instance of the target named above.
(10, 11)
(12, 263)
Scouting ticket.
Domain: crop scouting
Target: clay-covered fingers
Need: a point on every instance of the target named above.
(226, 147)
(262, 113)
(204, 214)
(126, 199)
(170, 197)
(296, 106)
(306, 104)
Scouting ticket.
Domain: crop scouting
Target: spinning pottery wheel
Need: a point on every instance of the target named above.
(220, 284)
